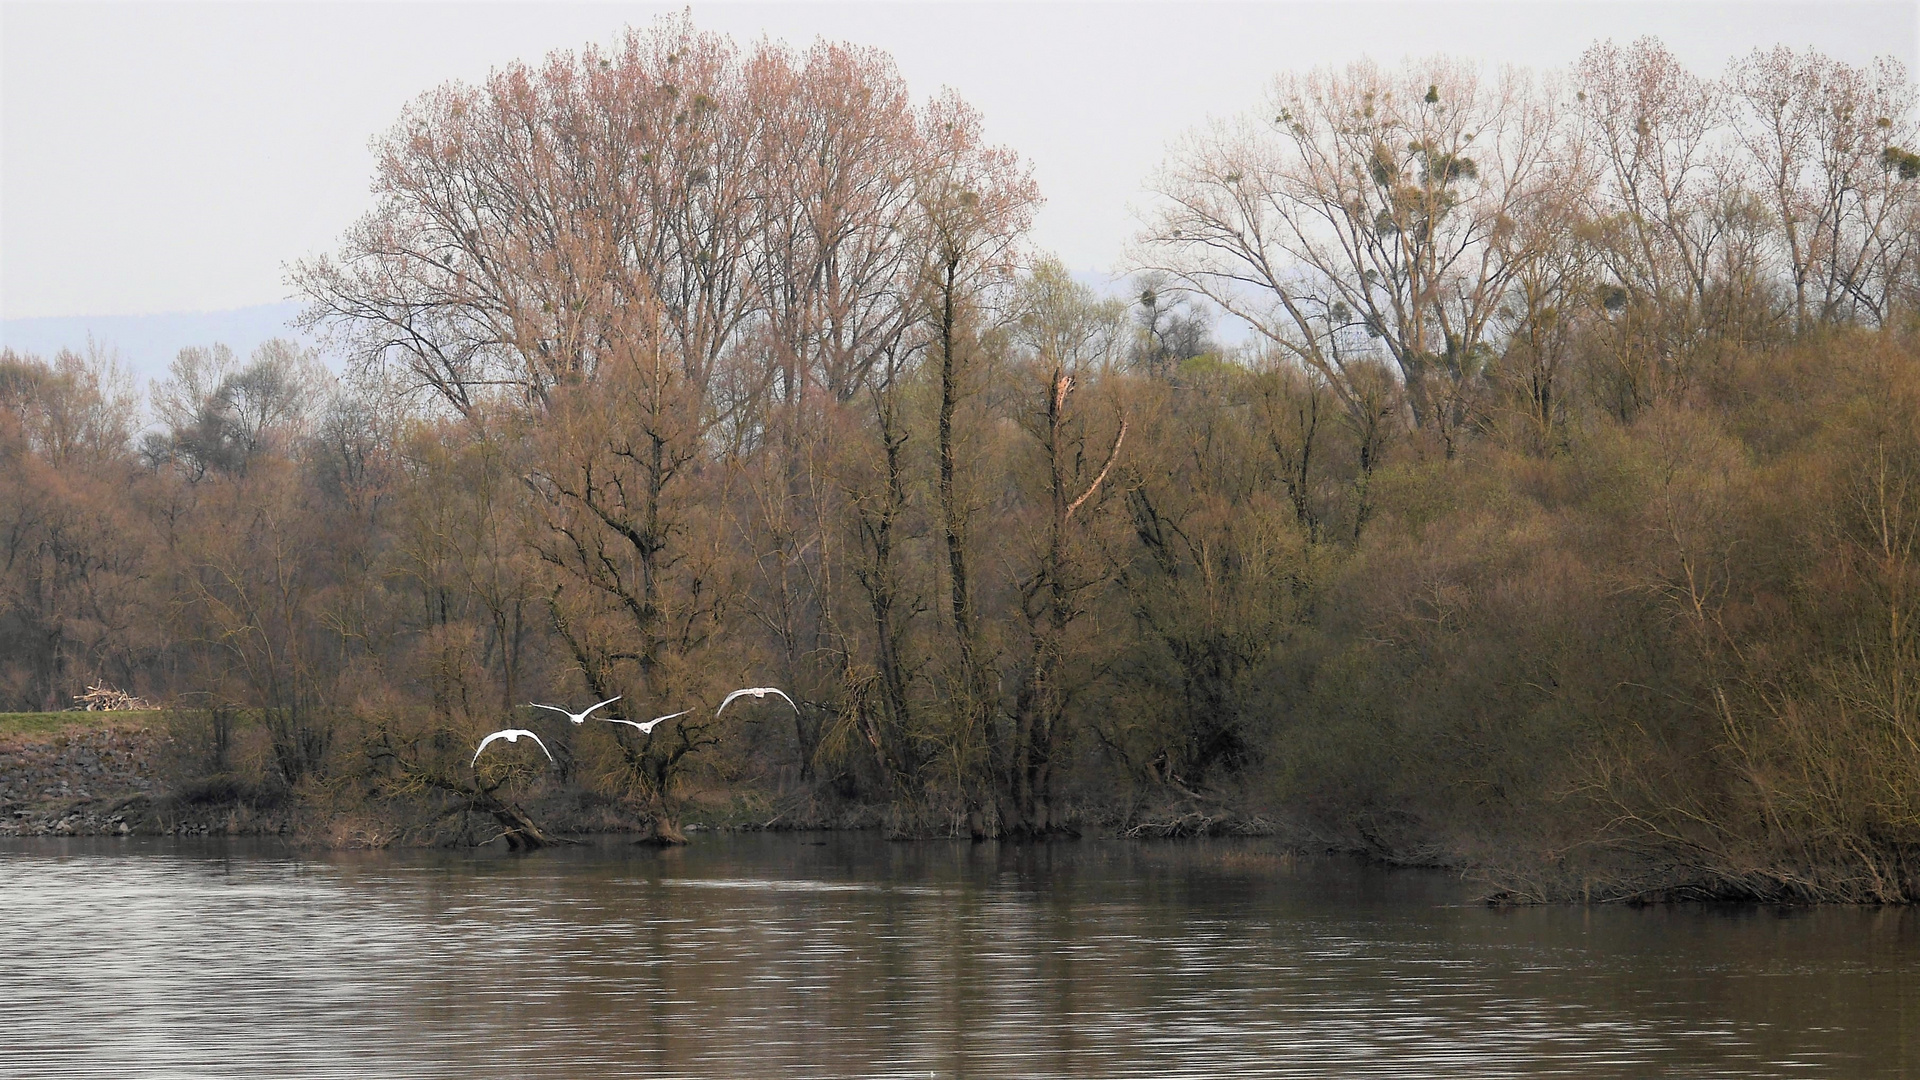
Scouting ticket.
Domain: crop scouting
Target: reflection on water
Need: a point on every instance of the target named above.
(762, 956)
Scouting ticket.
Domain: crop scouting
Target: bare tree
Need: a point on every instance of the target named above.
(72, 557)
(1555, 263)
(977, 201)
(515, 219)
(1654, 125)
(837, 159)
(1069, 337)
(1819, 136)
(220, 414)
(638, 589)
(1171, 328)
(1365, 200)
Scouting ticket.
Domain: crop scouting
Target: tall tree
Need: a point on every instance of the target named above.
(1365, 201)
(977, 202)
(1819, 136)
(1068, 338)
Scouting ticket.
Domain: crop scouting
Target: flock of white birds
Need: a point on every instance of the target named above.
(512, 735)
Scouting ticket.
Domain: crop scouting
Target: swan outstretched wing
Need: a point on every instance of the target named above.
(759, 692)
(583, 716)
(553, 708)
(649, 725)
(511, 735)
(537, 742)
(483, 746)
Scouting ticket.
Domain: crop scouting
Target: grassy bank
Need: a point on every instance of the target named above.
(36, 724)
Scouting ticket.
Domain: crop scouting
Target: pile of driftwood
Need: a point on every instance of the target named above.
(105, 698)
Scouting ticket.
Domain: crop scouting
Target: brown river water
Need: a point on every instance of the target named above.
(847, 956)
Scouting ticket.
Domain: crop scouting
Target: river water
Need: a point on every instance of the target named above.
(846, 956)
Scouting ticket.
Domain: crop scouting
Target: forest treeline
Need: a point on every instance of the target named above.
(1559, 516)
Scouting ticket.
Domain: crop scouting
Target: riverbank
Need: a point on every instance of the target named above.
(119, 774)
(79, 774)
(130, 773)
(143, 774)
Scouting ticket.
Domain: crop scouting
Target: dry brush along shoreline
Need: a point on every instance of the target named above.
(129, 778)
(65, 776)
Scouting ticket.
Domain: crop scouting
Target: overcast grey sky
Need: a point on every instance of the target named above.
(163, 157)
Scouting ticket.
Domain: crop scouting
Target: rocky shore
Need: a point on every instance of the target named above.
(80, 782)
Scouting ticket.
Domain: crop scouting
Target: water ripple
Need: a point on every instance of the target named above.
(755, 956)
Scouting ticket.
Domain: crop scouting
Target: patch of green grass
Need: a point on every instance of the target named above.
(48, 723)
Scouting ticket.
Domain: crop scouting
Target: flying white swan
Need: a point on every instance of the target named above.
(759, 692)
(576, 717)
(511, 734)
(647, 727)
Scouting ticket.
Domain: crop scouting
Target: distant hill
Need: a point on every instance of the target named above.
(146, 344)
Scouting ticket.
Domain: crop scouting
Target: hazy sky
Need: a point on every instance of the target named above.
(172, 157)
